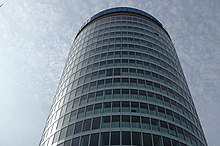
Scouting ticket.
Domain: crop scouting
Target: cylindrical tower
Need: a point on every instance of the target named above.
(123, 85)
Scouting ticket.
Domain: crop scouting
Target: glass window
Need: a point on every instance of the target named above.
(166, 141)
(94, 140)
(117, 72)
(85, 140)
(115, 138)
(69, 130)
(153, 109)
(147, 139)
(97, 108)
(126, 138)
(66, 119)
(89, 110)
(155, 124)
(99, 95)
(136, 138)
(69, 106)
(105, 139)
(56, 136)
(76, 102)
(108, 82)
(83, 99)
(145, 122)
(157, 140)
(63, 110)
(136, 121)
(101, 73)
(60, 122)
(86, 125)
(78, 127)
(107, 106)
(75, 141)
(100, 82)
(81, 112)
(63, 133)
(94, 75)
(109, 72)
(73, 115)
(134, 106)
(67, 143)
(91, 96)
(115, 121)
(175, 143)
(96, 123)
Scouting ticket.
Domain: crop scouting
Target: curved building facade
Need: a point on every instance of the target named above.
(123, 85)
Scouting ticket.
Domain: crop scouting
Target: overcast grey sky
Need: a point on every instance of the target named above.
(35, 38)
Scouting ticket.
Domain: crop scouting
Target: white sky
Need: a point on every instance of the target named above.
(35, 37)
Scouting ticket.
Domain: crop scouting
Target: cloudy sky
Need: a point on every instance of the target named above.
(35, 38)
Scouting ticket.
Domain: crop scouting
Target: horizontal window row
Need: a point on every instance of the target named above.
(126, 82)
(125, 94)
(127, 30)
(170, 64)
(123, 138)
(126, 121)
(88, 30)
(132, 63)
(159, 59)
(124, 106)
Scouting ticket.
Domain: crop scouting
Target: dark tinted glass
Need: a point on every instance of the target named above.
(96, 123)
(115, 138)
(84, 140)
(105, 139)
(126, 138)
(94, 140)
(78, 127)
(147, 139)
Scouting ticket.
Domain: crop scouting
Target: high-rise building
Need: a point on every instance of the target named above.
(123, 85)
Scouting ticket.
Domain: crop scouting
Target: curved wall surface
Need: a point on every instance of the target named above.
(123, 85)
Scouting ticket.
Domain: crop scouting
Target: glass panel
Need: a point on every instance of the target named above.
(63, 133)
(73, 116)
(105, 139)
(75, 141)
(56, 136)
(166, 141)
(145, 122)
(86, 125)
(116, 106)
(89, 110)
(126, 138)
(69, 130)
(96, 123)
(134, 107)
(157, 140)
(115, 121)
(78, 127)
(107, 107)
(85, 140)
(67, 143)
(155, 124)
(175, 143)
(135, 121)
(94, 140)
(136, 139)
(144, 108)
(106, 121)
(147, 139)
(115, 138)
(125, 121)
